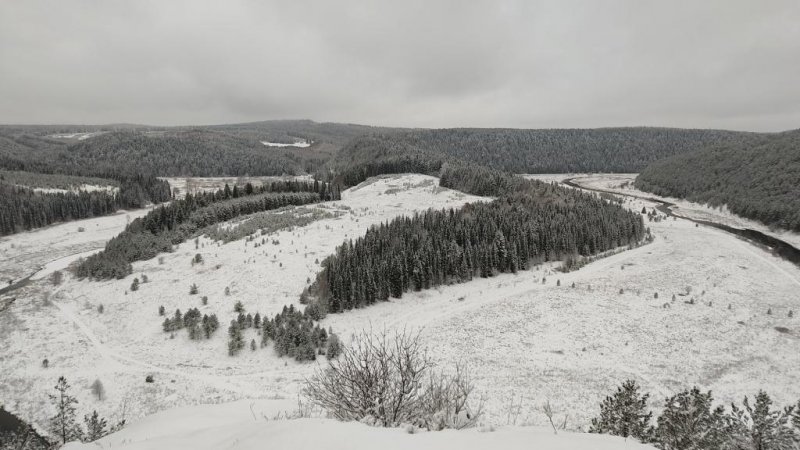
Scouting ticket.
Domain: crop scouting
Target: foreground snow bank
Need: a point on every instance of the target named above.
(248, 425)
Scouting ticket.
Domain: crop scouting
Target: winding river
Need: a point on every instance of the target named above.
(764, 241)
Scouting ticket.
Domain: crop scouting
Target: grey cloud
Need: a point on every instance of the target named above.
(723, 64)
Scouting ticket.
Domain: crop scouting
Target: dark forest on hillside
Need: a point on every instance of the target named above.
(534, 151)
(22, 208)
(759, 180)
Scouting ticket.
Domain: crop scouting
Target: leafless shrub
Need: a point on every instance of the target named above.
(389, 380)
(548, 411)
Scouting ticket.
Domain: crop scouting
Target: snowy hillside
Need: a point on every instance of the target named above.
(249, 425)
(539, 335)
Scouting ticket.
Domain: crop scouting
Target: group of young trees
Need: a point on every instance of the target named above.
(293, 333)
(759, 180)
(171, 224)
(199, 326)
(23, 208)
(533, 223)
(689, 420)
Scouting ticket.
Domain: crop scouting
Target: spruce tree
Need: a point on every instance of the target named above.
(624, 414)
(63, 424)
(95, 427)
(334, 346)
(689, 422)
(759, 427)
(235, 340)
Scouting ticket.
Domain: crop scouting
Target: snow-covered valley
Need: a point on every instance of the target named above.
(537, 336)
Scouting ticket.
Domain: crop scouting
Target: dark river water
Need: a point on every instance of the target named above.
(770, 243)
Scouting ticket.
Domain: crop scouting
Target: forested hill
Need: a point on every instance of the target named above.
(758, 179)
(538, 151)
(220, 150)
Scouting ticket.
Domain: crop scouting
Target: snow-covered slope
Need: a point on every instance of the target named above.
(527, 338)
(248, 425)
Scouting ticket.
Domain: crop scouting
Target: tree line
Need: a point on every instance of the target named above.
(690, 420)
(758, 180)
(22, 208)
(171, 224)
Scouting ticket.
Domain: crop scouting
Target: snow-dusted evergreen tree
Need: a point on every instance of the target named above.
(759, 427)
(334, 346)
(689, 422)
(95, 427)
(63, 424)
(235, 340)
(796, 417)
(624, 414)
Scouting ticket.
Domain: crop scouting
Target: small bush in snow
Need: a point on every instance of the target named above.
(98, 390)
(389, 380)
(56, 278)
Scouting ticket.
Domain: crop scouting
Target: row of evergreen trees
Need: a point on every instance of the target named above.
(22, 208)
(171, 224)
(689, 420)
(433, 248)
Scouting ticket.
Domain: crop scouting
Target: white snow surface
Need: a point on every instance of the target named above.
(82, 187)
(299, 144)
(248, 425)
(24, 253)
(81, 136)
(526, 340)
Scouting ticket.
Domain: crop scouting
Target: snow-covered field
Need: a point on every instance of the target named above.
(526, 339)
(250, 425)
(181, 185)
(125, 343)
(82, 187)
(25, 253)
(299, 144)
(623, 183)
(77, 136)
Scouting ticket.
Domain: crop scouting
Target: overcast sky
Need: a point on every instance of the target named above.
(529, 64)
